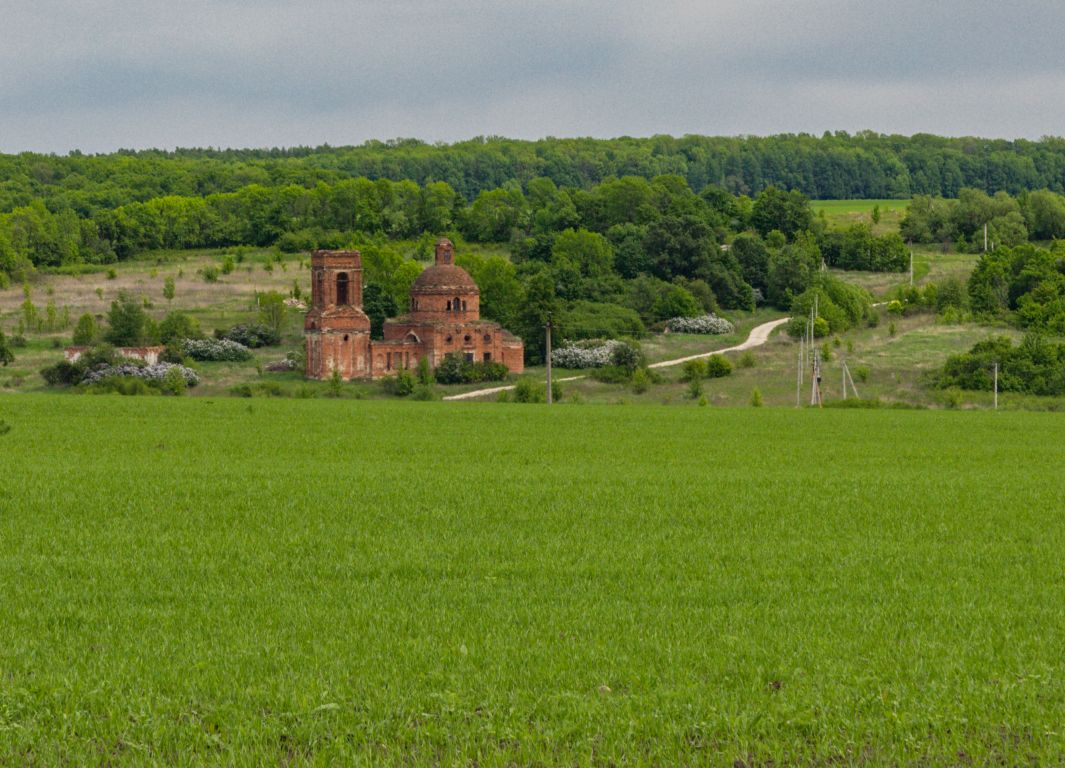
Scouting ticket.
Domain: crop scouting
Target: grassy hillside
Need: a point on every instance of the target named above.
(191, 581)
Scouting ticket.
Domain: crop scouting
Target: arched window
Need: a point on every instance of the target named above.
(464, 305)
(487, 338)
(319, 293)
(467, 339)
(456, 303)
(449, 305)
(342, 288)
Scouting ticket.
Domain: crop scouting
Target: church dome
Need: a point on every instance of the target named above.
(444, 276)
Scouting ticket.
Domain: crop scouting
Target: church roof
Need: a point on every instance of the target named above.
(445, 278)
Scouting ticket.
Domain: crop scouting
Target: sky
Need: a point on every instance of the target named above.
(99, 75)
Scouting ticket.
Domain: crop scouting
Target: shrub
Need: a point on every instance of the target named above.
(694, 370)
(227, 264)
(424, 372)
(695, 390)
(121, 385)
(129, 325)
(173, 383)
(717, 366)
(152, 374)
(1035, 367)
(529, 391)
(612, 374)
(626, 355)
(423, 392)
(85, 331)
(861, 373)
(746, 360)
(641, 382)
(210, 274)
(215, 350)
(400, 385)
(708, 324)
(756, 398)
(178, 326)
(251, 336)
(592, 353)
(6, 355)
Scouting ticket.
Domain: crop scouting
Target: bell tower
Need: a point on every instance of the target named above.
(336, 330)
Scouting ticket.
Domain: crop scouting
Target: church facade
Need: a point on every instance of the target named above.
(444, 317)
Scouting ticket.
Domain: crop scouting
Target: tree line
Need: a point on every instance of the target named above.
(832, 166)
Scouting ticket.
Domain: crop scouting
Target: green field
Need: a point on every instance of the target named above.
(277, 582)
(843, 213)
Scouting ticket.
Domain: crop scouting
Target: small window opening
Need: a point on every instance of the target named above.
(342, 288)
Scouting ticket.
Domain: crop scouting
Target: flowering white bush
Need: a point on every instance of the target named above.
(585, 354)
(701, 324)
(150, 373)
(216, 349)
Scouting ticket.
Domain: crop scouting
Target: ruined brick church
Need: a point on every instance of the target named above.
(444, 316)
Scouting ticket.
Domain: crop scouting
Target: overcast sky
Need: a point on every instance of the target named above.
(97, 75)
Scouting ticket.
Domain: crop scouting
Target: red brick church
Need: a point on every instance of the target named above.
(444, 316)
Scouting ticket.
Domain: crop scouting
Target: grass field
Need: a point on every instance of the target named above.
(842, 213)
(218, 581)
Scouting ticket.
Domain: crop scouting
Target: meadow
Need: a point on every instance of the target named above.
(190, 581)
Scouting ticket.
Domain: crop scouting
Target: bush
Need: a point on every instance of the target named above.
(210, 274)
(174, 383)
(588, 319)
(152, 374)
(861, 373)
(641, 382)
(216, 350)
(717, 366)
(400, 385)
(694, 370)
(709, 324)
(612, 374)
(178, 326)
(1035, 367)
(227, 264)
(756, 398)
(529, 391)
(251, 336)
(592, 353)
(455, 369)
(747, 360)
(6, 355)
(85, 332)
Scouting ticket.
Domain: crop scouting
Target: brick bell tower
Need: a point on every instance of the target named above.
(336, 330)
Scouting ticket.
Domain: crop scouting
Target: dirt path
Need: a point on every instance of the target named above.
(758, 336)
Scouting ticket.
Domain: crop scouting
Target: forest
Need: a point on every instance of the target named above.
(833, 166)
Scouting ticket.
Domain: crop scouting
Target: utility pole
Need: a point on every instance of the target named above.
(985, 237)
(911, 265)
(548, 329)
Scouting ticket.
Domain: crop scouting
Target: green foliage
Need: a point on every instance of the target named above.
(746, 360)
(858, 248)
(128, 324)
(529, 391)
(694, 370)
(456, 369)
(272, 311)
(718, 366)
(641, 381)
(378, 305)
(593, 320)
(756, 398)
(1035, 366)
(173, 383)
(399, 385)
(251, 336)
(85, 331)
(424, 372)
(178, 326)
(210, 274)
(7, 356)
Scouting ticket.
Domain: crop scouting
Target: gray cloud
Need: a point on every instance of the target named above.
(103, 74)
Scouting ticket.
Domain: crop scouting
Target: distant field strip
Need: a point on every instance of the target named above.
(285, 582)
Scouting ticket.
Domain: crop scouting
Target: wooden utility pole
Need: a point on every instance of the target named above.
(548, 329)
